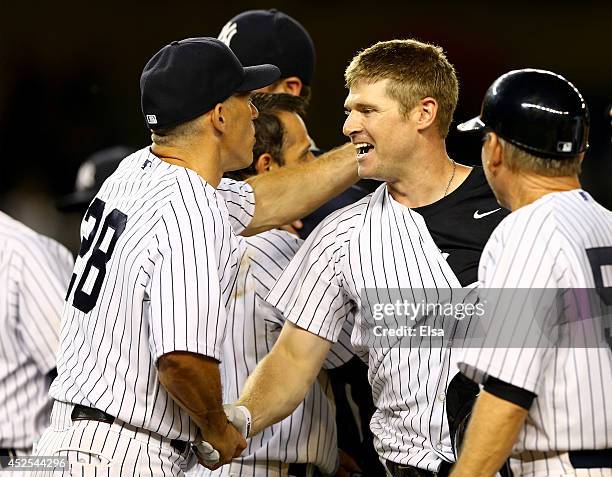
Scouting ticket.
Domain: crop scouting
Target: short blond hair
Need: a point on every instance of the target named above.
(417, 70)
(518, 159)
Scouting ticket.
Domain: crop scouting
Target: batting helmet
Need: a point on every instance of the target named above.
(536, 110)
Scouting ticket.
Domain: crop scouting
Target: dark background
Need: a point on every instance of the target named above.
(70, 70)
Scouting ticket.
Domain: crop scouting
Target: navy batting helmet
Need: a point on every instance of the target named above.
(536, 110)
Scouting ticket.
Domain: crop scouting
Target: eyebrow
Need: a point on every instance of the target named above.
(358, 106)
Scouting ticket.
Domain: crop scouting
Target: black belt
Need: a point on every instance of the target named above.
(301, 470)
(84, 413)
(591, 459)
(11, 453)
(399, 470)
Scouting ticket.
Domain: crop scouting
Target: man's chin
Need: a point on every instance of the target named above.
(241, 165)
(365, 172)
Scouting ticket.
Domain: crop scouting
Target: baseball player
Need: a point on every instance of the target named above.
(548, 408)
(305, 442)
(144, 320)
(380, 243)
(34, 275)
(272, 36)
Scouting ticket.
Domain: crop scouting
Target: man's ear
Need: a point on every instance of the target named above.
(218, 118)
(264, 163)
(426, 112)
(291, 85)
(495, 152)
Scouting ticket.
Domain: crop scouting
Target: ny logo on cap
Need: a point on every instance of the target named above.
(228, 32)
(86, 177)
(151, 119)
(563, 146)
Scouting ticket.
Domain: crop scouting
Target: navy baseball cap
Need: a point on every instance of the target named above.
(187, 78)
(270, 36)
(91, 175)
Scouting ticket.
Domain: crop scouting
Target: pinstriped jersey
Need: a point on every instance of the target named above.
(378, 243)
(34, 274)
(157, 263)
(563, 240)
(308, 435)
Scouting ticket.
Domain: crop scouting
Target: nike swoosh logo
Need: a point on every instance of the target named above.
(484, 214)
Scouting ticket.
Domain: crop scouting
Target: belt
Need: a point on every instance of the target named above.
(399, 470)
(11, 453)
(84, 413)
(591, 459)
(301, 470)
(297, 470)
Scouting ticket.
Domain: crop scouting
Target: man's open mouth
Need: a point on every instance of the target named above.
(363, 148)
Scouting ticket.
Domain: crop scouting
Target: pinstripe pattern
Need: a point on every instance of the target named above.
(378, 243)
(34, 274)
(308, 435)
(166, 288)
(543, 245)
(108, 450)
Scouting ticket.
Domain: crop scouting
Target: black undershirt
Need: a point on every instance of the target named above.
(455, 230)
(509, 392)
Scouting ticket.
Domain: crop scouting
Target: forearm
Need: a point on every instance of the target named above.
(273, 391)
(491, 434)
(290, 193)
(194, 383)
(282, 379)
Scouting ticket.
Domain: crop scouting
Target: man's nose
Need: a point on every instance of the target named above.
(351, 124)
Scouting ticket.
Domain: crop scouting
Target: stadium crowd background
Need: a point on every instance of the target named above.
(70, 70)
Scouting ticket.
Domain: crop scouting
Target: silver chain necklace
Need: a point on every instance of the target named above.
(451, 178)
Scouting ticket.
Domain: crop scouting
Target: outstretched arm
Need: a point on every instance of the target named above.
(282, 379)
(291, 193)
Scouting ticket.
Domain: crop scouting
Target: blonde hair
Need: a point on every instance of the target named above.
(417, 70)
(520, 160)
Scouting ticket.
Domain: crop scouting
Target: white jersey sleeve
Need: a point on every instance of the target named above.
(187, 304)
(342, 351)
(310, 292)
(519, 255)
(240, 201)
(271, 257)
(45, 268)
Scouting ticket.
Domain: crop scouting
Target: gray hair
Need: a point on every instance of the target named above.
(519, 159)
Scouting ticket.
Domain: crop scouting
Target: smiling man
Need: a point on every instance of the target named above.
(405, 146)
(401, 99)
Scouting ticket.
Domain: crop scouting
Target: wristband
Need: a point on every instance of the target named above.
(247, 419)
